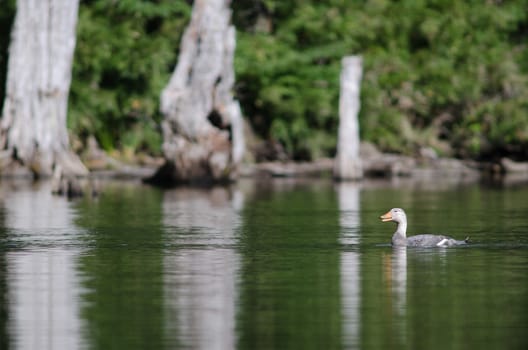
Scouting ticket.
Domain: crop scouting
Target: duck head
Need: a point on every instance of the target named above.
(395, 214)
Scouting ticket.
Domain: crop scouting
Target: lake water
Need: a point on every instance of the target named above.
(262, 265)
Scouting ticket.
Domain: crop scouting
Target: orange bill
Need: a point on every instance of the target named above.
(386, 217)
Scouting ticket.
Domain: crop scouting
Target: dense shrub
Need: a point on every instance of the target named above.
(6, 20)
(126, 51)
(447, 74)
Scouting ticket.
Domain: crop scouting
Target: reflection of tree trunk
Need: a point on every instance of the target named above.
(33, 127)
(202, 129)
(4, 285)
(349, 209)
(43, 283)
(200, 278)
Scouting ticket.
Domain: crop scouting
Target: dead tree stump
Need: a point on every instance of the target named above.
(348, 163)
(202, 127)
(33, 133)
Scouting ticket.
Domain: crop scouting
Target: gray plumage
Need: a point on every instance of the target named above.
(427, 240)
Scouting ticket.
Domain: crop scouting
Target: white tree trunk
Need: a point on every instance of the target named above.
(348, 163)
(33, 126)
(202, 126)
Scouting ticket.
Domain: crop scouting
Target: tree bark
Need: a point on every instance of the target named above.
(348, 163)
(33, 130)
(202, 127)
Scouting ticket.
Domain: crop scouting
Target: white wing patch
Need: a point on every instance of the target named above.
(442, 243)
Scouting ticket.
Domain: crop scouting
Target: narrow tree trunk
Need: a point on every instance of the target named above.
(33, 127)
(202, 126)
(348, 164)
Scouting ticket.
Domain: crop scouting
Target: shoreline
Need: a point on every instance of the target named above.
(382, 166)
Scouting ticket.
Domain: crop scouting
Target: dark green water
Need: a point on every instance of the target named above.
(277, 265)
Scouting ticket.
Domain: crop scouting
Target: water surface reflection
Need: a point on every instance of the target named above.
(122, 303)
(279, 264)
(395, 279)
(290, 268)
(201, 266)
(349, 220)
(42, 279)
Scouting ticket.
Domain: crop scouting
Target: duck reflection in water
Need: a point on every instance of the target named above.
(395, 276)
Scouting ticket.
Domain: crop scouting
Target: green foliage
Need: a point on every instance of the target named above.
(125, 54)
(442, 73)
(6, 18)
(450, 71)
(288, 82)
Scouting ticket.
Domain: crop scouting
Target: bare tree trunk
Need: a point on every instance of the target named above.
(348, 164)
(202, 126)
(33, 127)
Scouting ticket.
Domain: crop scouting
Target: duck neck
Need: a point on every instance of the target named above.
(400, 237)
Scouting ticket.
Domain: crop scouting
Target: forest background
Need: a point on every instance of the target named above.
(447, 74)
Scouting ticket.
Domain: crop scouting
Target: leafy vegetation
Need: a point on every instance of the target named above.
(446, 74)
(6, 19)
(451, 75)
(125, 54)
